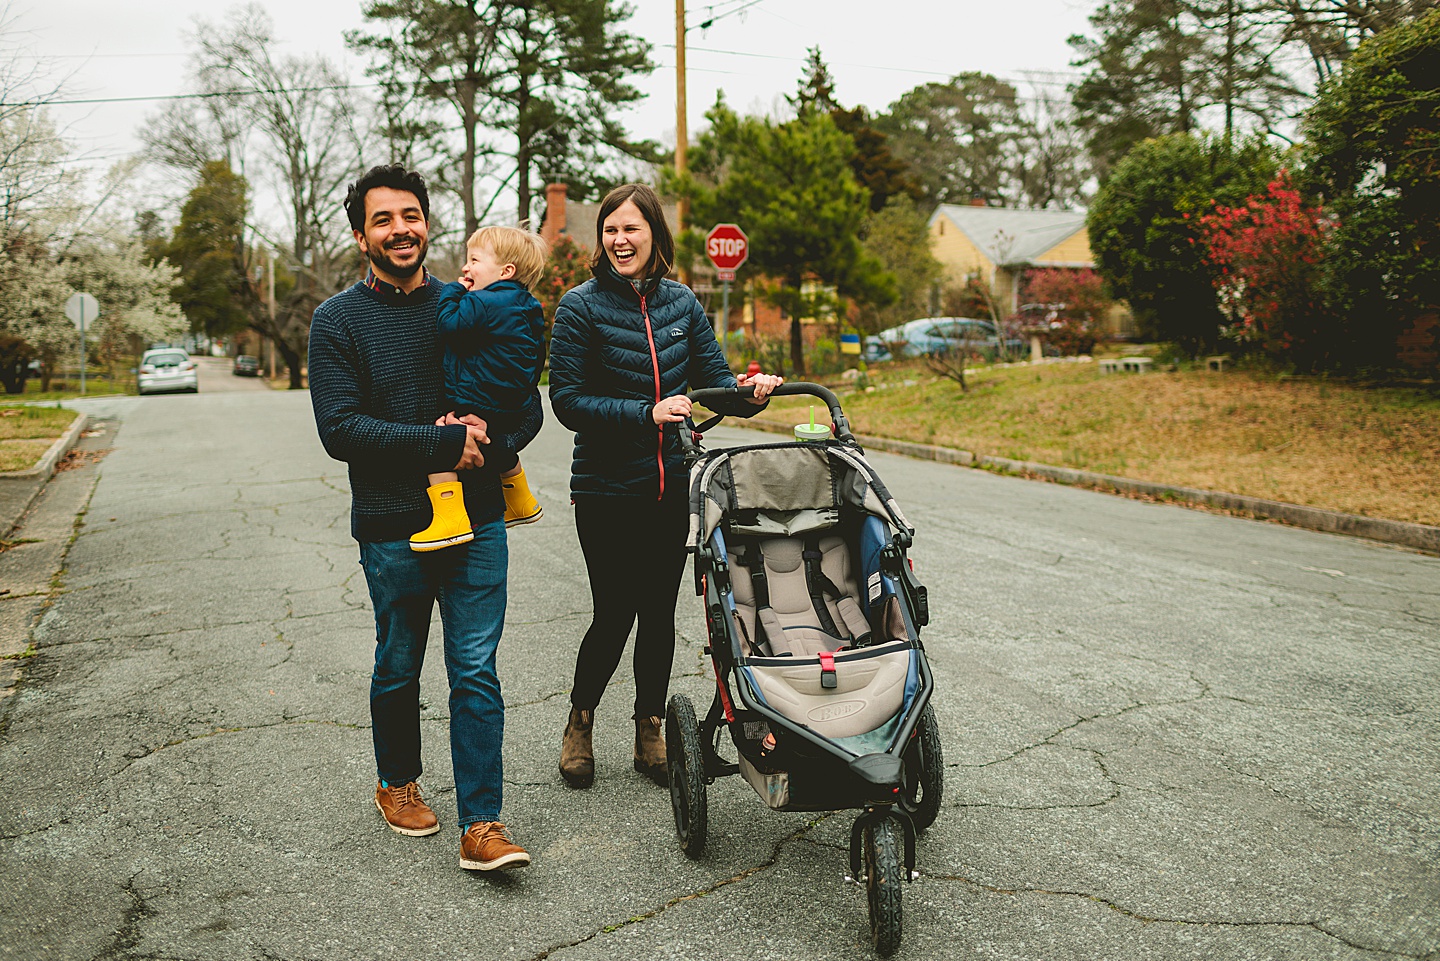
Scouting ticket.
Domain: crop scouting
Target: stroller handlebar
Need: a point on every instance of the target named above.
(711, 396)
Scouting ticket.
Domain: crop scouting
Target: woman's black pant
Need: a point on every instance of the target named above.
(635, 553)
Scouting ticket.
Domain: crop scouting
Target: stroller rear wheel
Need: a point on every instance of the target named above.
(924, 772)
(686, 762)
(884, 872)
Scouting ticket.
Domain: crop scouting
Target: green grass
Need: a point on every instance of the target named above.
(26, 433)
(68, 388)
(1313, 441)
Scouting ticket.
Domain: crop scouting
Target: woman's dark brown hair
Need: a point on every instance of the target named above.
(662, 242)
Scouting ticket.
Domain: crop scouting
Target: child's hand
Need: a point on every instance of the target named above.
(466, 282)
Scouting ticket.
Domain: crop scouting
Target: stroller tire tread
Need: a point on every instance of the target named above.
(686, 762)
(884, 874)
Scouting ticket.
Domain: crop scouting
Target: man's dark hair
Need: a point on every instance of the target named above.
(662, 241)
(394, 176)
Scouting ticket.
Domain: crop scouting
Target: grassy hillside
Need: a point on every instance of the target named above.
(1302, 440)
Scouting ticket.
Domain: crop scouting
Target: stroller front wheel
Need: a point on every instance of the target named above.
(686, 763)
(884, 872)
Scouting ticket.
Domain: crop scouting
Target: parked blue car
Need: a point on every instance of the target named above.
(937, 335)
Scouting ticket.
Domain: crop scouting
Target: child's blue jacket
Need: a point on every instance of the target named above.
(494, 346)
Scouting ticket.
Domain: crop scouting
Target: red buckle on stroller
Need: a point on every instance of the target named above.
(827, 670)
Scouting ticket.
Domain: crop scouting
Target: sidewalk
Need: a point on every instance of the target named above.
(18, 489)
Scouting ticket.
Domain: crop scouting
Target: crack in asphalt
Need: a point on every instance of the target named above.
(127, 936)
(240, 729)
(754, 869)
(1134, 915)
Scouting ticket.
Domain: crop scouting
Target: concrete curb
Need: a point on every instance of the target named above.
(14, 483)
(1420, 537)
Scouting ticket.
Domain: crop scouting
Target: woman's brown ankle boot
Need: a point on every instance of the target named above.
(650, 748)
(577, 756)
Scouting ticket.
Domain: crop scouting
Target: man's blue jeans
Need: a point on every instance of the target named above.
(468, 581)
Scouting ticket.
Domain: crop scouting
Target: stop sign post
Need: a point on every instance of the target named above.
(727, 247)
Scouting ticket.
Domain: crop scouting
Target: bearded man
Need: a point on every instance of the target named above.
(377, 388)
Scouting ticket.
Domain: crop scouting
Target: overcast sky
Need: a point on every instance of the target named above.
(120, 49)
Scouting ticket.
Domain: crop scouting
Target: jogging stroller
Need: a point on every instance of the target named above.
(813, 617)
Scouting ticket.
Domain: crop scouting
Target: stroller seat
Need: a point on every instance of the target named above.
(869, 691)
(799, 597)
(817, 624)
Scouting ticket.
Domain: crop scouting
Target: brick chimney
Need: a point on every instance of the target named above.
(554, 224)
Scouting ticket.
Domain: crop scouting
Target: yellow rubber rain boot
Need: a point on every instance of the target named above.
(521, 507)
(451, 524)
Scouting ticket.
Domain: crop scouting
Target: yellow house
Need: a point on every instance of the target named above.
(996, 246)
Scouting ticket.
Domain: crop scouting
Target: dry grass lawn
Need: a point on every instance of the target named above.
(1302, 440)
(26, 433)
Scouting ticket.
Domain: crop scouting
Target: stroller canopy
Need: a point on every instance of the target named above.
(784, 490)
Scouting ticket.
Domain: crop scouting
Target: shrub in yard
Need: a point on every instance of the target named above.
(1267, 253)
(1372, 143)
(1146, 216)
(569, 266)
(1071, 303)
(15, 357)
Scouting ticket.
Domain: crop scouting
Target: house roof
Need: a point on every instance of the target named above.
(1011, 236)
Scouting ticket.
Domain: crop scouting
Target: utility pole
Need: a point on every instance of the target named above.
(682, 135)
(270, 270)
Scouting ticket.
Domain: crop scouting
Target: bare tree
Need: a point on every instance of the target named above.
(33, 155)
(299, 121)
(1051, 166)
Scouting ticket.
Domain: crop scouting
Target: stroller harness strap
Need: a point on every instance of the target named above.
(765, 626)
(819, 586)
(794, 605)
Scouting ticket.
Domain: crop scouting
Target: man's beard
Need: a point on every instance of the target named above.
(379, 257)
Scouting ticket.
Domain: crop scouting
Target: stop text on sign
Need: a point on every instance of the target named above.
(727, 248)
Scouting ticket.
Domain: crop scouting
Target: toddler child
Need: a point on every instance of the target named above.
(491, 328)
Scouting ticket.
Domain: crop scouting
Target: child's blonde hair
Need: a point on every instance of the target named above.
(514, 245)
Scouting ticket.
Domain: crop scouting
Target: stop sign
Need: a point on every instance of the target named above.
(727, 247)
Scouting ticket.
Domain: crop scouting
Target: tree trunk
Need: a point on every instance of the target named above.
(797, 348)
(522, 152)
(524, 124)
(292, 360)
(467, 157)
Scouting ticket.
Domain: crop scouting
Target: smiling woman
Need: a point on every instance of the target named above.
(627, 347)
(26, 433)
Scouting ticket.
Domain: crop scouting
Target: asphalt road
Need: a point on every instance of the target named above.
(1169, 734)
(217, 376)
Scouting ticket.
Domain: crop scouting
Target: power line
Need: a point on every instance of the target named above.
(248, 92)
(90, 56)
(876, 66)
(710, 21)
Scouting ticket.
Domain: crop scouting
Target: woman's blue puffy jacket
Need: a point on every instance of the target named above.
(614, 352)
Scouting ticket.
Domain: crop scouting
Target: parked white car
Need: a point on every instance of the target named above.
(166, 369)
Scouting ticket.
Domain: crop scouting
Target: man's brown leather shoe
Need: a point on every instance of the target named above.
(486, 846)
(577, 756)
(650, 749)
(404, 810)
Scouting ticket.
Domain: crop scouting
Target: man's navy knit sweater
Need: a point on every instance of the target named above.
(377, 387)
